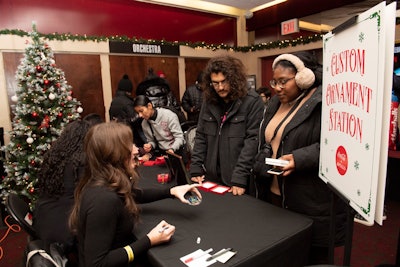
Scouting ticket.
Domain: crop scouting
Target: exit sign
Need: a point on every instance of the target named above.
(289, 26)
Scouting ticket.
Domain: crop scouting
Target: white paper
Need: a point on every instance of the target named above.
(199, 259)
(226, 256)
(220, 189)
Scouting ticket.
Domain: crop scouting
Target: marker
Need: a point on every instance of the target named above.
(219, 253)
(198, 256)
(163, 229)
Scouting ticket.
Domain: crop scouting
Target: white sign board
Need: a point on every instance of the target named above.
(355, 108)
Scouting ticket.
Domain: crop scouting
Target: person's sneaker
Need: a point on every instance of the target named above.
(360, 219)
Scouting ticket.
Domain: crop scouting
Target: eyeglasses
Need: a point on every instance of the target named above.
(281, 83)
(218, 84)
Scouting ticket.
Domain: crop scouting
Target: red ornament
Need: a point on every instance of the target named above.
(46, 82)
(58, 85)
(34, 114)
(45, 122)
(31, 190)
(39, 68)
(33, 163)
(59, 114)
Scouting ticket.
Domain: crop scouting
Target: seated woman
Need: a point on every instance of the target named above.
(105, 209)
(63, 165)
(161, 127)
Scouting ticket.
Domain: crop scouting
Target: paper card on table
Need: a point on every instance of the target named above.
(197, 259)
(208, 185)
(220, 189)
(226, 256)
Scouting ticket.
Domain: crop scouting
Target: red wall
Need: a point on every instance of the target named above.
(117, 17)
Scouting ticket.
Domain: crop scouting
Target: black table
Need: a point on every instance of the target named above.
(262, 234)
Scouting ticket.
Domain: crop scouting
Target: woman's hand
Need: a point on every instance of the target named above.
(145, 157)
(180, 191)
(161, 233)
(147, 147)
(288, 169)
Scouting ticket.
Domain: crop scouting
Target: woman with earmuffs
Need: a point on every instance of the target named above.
(292, 127)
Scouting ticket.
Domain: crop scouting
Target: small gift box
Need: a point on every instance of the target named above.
(163, 178)
(160, 161)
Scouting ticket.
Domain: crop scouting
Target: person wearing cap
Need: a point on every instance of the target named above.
(121, 109)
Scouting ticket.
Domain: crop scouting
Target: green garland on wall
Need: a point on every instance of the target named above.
(257, 47)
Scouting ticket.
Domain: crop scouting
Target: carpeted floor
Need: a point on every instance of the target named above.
(12, 244)
(372, 245)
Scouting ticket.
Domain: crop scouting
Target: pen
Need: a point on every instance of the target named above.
(219, 253)
(199, 255)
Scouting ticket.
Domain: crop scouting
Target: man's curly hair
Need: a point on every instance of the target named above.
(67, 149)
(235, 75)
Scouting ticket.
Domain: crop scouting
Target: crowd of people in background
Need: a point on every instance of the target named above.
(233, 123)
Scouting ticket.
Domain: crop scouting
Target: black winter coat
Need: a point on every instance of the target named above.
(225, 151)
(193, 97)
(303, 191)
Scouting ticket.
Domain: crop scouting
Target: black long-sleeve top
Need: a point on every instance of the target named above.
(105, 226)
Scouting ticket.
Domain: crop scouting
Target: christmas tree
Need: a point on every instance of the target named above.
(43, 106)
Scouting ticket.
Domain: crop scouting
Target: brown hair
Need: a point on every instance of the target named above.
(108, 148)
(235, 75)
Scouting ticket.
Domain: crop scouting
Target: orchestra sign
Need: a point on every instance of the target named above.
(143, 49)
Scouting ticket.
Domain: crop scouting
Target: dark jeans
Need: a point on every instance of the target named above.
(317, 255)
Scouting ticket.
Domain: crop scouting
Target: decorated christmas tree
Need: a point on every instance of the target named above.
(43, 105)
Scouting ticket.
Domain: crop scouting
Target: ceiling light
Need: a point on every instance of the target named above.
(199, 5)
(304, 25)
(269, 4)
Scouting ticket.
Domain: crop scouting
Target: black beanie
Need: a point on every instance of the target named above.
(125, 84)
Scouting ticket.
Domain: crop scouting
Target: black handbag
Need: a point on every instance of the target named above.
(36, 256)
(259, 167)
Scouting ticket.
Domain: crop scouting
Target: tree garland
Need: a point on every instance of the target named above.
(256, 47)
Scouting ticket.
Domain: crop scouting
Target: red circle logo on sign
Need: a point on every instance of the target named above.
(342, 161)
